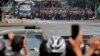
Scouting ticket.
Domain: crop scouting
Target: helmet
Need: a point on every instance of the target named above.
(56, 44)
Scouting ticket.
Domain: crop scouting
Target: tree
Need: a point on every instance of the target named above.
(77, 3)
(5, 1)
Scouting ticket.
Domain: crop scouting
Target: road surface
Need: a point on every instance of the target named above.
(61, 28)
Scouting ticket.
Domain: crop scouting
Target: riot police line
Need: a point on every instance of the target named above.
(63, 14)
(60, 14)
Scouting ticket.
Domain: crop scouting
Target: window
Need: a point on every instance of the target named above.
(25, 7)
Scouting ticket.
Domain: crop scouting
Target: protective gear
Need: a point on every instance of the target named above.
(56, 44)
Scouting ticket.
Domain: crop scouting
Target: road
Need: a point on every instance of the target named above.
(61, 28)
(65, 29)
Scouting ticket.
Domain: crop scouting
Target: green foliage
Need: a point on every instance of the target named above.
(0, 0)
(98, 1)
(71, 1)
(89, 3)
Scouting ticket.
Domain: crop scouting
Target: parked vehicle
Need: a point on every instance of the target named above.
(25, 10)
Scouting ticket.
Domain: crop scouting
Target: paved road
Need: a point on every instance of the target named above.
(65, 29)
(58, 27)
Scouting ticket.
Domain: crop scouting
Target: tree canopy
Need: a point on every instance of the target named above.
(83, 3)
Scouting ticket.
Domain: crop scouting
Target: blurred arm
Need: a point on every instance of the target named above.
(26, 51)
(89, 52)
(93, 46)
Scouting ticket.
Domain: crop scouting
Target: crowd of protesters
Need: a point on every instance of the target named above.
(54, 46)
(57, 46)
(62, 14)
